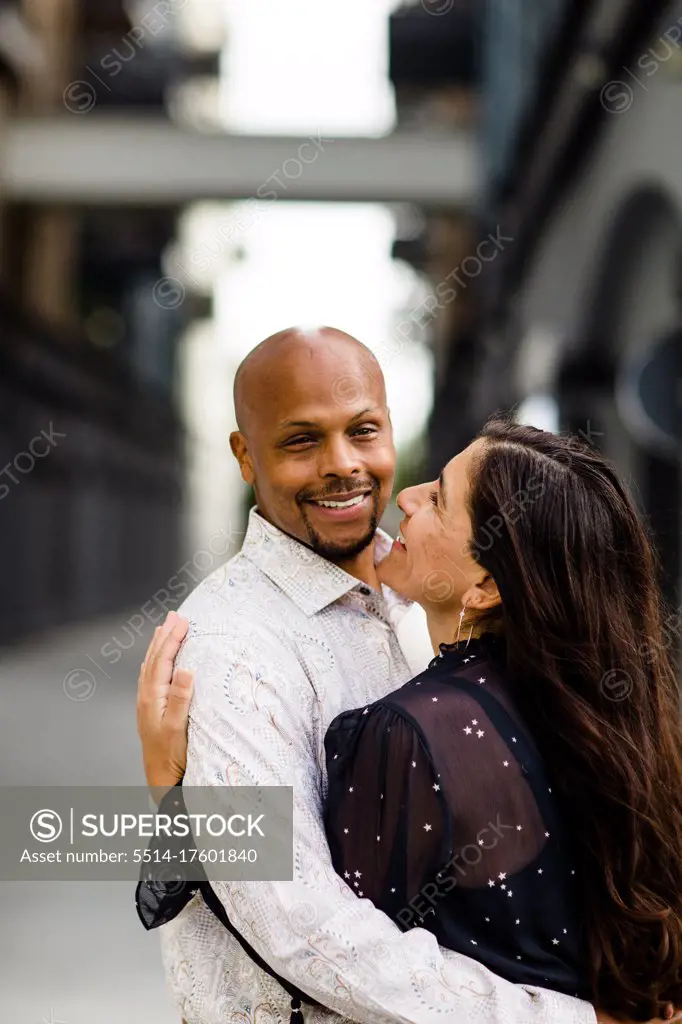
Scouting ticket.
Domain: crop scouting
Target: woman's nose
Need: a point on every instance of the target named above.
(411, 498)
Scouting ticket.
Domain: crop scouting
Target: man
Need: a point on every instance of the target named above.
(292, 631)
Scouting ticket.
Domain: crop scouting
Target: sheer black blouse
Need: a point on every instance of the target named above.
(440, 810)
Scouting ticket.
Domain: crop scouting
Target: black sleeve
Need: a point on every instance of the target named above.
(386, 819)
(164, 890)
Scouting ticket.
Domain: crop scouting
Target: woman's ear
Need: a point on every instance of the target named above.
(484, 595)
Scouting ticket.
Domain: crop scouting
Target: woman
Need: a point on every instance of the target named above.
(522, 798)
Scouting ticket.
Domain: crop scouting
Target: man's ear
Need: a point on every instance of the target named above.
(240, 451)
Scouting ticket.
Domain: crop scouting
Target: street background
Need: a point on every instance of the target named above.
(488, 193)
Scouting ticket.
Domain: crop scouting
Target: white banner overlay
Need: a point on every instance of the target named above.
(115, 833)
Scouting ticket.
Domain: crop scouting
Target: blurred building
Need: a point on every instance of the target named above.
(587, 179)
(436, 50)
(575, 321)
(90, 440)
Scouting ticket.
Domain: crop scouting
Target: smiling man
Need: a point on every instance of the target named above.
(295, 629)
(318, 452)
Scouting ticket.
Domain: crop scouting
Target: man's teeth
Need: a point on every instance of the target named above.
(400, 539)
(342, 504)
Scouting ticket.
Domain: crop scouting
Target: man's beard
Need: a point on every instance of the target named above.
(343, 552)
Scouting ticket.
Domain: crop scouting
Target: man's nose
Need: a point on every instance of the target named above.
(339, 457)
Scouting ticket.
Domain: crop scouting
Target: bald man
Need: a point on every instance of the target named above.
(291, 632)
(315, 441)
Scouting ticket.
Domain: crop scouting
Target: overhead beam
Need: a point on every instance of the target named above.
(100, 159)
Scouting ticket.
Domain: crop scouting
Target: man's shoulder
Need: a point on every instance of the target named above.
(238, 616)
(239, 600)
(228, 587)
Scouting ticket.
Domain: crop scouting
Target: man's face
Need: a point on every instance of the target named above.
(320, 453)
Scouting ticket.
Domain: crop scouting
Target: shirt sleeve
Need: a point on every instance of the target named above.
(256, 720)
(387, 823)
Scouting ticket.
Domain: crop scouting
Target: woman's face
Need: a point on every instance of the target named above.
(433, 566)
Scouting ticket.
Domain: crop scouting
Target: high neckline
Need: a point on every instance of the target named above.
(487, 645)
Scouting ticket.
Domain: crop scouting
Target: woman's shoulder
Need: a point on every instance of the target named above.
(461, 698)
(375, 716)
(460, 685)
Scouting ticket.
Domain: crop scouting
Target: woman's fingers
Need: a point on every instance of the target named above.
(157, 669)
(179, 699)
(160, 634)
(163, 699)
(170, 643)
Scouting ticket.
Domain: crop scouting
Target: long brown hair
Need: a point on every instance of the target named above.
(582, 616)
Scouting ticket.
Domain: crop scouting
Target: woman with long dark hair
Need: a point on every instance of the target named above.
(547, 738)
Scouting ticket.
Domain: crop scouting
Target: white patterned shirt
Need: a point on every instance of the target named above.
(281, 641)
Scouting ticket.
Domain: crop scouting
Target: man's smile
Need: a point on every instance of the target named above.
(341, 507)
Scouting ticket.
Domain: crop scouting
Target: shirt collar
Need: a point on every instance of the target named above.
(308, 579)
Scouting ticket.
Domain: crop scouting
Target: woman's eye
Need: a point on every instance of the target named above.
(434, 497)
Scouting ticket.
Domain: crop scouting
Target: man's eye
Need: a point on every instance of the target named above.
(299, 440)
(434, 497)
(365, 431)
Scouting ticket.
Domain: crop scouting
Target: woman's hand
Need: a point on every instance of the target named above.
(163, 698)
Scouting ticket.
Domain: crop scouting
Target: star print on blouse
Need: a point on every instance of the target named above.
(407, 762)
